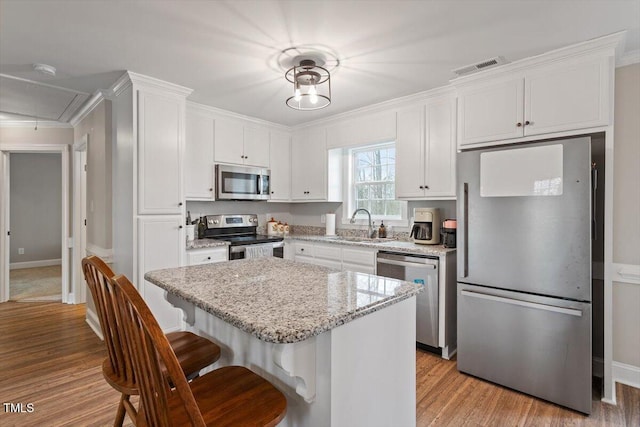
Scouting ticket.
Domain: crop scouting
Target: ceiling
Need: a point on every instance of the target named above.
(228, 51)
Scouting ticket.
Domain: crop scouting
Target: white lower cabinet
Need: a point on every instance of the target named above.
(207, 256)
(336, 256)
(161, 239)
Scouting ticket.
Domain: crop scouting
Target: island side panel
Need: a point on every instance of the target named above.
(373, 369)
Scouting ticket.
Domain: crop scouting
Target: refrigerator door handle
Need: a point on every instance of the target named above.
(546, 307)
(465, 230)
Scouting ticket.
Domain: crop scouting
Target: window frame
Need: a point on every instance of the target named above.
(350, 193)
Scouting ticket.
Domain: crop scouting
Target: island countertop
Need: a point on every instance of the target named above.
(281, 301)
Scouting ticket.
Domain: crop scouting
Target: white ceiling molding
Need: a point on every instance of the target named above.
(32, 122)
(612, 42)
(230, 114)
(628, 58)
(87, 108)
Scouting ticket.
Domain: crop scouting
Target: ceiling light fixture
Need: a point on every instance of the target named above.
(311, 86)
(45, 69)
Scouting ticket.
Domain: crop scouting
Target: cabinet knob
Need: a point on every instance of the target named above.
(208, 257)
(301, 249)
(211, 189)
(426, 187)
(519, 124)
(527, 123)
(180, 204)
(180, 226)
(272, 192)
(422, 187)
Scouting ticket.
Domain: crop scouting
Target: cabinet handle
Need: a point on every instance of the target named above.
(422, 187)
(301, 249)
(527, 123)
(180, 204)
(180, 227)
(519, 124)
(426, 187)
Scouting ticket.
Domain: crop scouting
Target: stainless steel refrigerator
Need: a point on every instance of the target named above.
(524, 268)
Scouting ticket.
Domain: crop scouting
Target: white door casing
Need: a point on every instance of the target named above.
(63, 150)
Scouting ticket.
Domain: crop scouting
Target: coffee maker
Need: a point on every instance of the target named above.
(426, 226)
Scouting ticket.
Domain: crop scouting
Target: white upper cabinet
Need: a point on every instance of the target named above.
(160, 142)
(574, 96)
(199, 170)
(309, 165)
(560, 96)
(491, 112)
(426, 150)
(256, 146)
(241, 143)
(280, 165)
(229, 141)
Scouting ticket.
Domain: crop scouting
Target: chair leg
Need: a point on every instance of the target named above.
(131, 410)
(121, 411)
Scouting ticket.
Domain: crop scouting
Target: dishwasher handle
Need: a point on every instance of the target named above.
(401, 260)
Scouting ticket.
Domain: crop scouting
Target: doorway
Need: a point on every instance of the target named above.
(34, 222)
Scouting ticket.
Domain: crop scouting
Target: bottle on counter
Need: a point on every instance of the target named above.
(188, 218)
(201, 227)
(382, 231)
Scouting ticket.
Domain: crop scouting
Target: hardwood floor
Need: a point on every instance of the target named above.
(49, 357)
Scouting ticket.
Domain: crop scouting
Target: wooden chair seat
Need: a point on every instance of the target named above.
(228, 396)
(232, 396)
(193, 352)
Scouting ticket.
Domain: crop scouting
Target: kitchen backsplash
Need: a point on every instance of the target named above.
(305, 218)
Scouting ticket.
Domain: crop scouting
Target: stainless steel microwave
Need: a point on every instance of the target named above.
(242, 183)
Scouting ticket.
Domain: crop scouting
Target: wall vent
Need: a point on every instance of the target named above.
(487, 63)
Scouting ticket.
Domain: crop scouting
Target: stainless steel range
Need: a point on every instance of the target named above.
(241, 233)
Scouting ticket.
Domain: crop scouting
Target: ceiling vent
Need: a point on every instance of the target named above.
(482, 65)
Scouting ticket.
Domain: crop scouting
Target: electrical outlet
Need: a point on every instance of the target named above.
(323, 219)
(20, 251)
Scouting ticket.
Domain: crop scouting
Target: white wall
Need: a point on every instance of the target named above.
(626, 220)
(36, 205)
(98, 125)
(28, 135)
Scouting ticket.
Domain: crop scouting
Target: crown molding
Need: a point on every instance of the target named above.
(87, 108)
(129, 78)
(628, 58)
(612, 44)
(381, 107)
(32, 123)
(208, 110)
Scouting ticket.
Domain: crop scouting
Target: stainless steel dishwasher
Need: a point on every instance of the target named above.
(418, 269)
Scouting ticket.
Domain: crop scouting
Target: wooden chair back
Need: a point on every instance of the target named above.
(155, 363)
(97, 275)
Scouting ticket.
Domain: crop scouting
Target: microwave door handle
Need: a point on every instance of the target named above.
(259, 178)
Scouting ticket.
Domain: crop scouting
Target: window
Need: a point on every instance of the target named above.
(372, 183)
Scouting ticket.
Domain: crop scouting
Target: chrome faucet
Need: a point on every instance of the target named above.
(372, 232)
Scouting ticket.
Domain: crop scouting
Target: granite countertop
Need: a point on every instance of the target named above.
(281, 301)
(206, 243)
(379, 244)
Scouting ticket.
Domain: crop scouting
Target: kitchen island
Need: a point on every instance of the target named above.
(339, 345)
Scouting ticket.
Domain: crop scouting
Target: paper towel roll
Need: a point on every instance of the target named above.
(191, 232)
(330, 220)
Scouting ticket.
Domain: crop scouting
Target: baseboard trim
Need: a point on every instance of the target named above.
(94, 323)
(32, 264)
(105, 254)
(626, 374)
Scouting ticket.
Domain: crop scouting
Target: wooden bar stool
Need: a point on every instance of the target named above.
(228, 396)
(192, 351)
